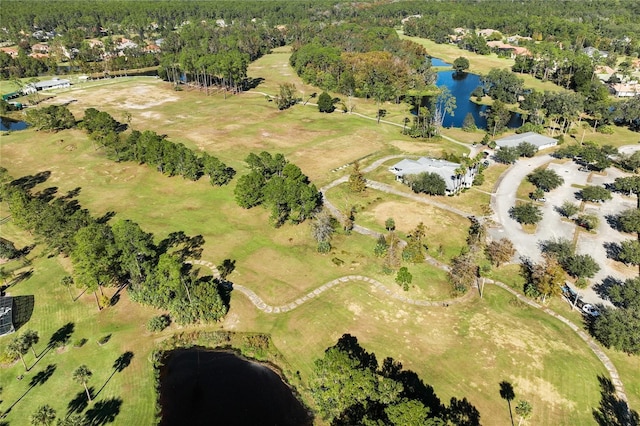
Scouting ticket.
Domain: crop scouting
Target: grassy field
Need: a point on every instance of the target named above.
(463, 350)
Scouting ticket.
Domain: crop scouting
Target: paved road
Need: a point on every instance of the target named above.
(552, 226)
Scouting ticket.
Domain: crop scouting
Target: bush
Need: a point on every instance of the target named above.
(582, 282)
(605, 130)
(588, 221)
(158, 323)
(324, 247)
(104, 339)
(530, 127)
(79, 343)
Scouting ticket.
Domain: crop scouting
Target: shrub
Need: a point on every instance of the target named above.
(588, 221)
(79, 343)
(158, 323)
(104, 339)
(605, 130)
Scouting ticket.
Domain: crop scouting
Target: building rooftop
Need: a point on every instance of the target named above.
(533, 138)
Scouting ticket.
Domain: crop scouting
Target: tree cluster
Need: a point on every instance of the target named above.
(427, 182)
(350, 387)
(619, 327)
(118, 254)
(576, 265)
(545, 179)
(589, 154)
(365, 61)
(280, 186)
(150, 148)
(51, 118)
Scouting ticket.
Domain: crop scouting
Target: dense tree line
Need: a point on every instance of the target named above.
(350, 387)
(51, 118)
(593, 24)
(121, 254)
(359, 60)
(155, 150)
(280, 186)
(21, 66)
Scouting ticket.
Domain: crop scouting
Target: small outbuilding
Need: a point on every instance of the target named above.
(536, 139)
(56, 83)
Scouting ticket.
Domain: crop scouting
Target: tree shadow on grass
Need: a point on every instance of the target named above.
(37, 380)
(30, 181)
(79, 403)
(103, 412)
(612, 410)
(122, 362)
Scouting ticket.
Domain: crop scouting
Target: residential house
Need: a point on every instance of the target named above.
(626, 90)
(536, 139)
(513, 50)
(11, 51)
(487, 32)
(445, 169)
(40, 48)
(592, 51)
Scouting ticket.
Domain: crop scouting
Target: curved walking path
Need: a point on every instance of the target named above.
(377, 285)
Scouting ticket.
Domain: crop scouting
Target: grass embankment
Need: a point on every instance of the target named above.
(463, 351)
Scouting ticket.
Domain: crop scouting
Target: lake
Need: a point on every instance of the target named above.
(204, 387)
(461, 86)
(7, 124)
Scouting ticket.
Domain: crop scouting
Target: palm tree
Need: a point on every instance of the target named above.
(43, 416)
(82, 375)
(507, 393)
(18, 347)
(66, 281)
(31, 337)
(523, 409)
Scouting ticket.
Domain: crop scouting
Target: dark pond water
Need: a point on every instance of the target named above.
(437, 62)
(461, 86)
(207, 387)
(6, 124)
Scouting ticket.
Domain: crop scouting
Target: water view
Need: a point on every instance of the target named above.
(461, 85)
(205, 387)
(7, 124)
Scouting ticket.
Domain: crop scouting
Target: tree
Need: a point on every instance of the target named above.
(469, 123)
(497, 118)
(249, 190)
(618, 328)
(381, 114)
(588, 221)
(31, 339)
(51, 118)
(325, 103)
(524, 410)
(507, 155)
(357, 181)
(67, 281)
(626, 295)
(404, 278)
(429, 183)
(545, 179)
(461, 64)
(595, 193)
(500, 251)
(526, 214)
(568, 209)
(322, 229)
(463, 273)
(503, 85)
(72, 420)
(415, 249)
(43, 416)
(526, 149)
(82, 375)
(629, 221)
(630, 253)
(18, 347)
(390, 224)
(581, 266)
(286, 97)
(408, 413)
(629, 185)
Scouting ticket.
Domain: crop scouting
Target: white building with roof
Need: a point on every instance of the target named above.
(445, 169)
(536, 139)
(56, 83)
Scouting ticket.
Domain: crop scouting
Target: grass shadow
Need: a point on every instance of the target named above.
(61, 336)
(122, 362)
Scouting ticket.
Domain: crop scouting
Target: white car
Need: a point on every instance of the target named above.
(590, 310)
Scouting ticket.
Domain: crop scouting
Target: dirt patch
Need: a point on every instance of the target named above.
(543, 389)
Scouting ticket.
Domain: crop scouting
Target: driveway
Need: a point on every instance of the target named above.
(553, 227)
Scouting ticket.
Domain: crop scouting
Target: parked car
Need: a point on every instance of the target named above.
(589, 309)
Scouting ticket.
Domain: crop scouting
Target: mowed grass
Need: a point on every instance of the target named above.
(52, 310)
(463, 351)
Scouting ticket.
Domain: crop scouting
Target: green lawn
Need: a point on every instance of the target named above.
(462, 350)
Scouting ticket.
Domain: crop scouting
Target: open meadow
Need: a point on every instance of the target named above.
(462, 350)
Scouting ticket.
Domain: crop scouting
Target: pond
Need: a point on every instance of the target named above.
(204, 387)
(437, 62)
(461, 85)
(8, 124)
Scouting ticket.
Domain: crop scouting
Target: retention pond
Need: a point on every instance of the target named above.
(204, 387)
